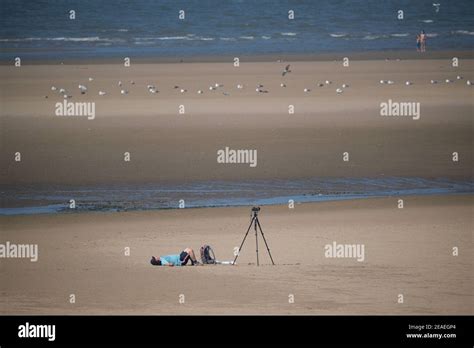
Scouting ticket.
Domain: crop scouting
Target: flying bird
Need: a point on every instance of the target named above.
(286, 71)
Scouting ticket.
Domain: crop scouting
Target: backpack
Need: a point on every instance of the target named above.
(207, 255)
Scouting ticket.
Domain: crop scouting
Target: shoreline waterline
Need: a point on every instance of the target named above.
(402, 54)
(115, 198)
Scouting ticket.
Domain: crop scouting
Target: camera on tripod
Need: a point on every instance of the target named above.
(256, 225)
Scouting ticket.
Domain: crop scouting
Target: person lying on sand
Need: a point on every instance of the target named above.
(176, 259)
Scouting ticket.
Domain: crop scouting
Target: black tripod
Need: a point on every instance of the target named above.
(255, 223)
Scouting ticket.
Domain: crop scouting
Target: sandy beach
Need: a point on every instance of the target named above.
(166, 146)
(407, 251)
(137, 135)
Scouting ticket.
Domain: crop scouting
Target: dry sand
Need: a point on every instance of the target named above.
(407, 251)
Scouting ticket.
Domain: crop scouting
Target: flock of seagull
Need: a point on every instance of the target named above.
(259, 88)
(433, 82)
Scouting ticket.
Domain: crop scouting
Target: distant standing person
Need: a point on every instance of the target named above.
(423, 41)
(418, 43)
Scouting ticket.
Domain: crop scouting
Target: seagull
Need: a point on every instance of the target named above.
(338, 91)
(211, 88)
(120, 83)
(53, 88)
(62, 91)
(66, 96)
(448, 81)
(199, 92)
(433, 82)
(151, 89)
(240, 86)
(82, 88)
(286, 71)
(469, 83)
(176, 87)
(436, 5)
(328, 82)
(183, 90)
(218, 85)
(390, 82)
(132, 82)
(306, 90)
(91, 79)
(382, 81)
(225, 93)
(408, 83)
(345, 86)
(259, 86)
(459, 77)
(102, 93)
(123, 91)
(321, 85)
(282, 85)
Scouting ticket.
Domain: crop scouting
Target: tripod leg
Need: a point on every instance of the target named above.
(261, 231)
(240, 248)
(256, 239)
